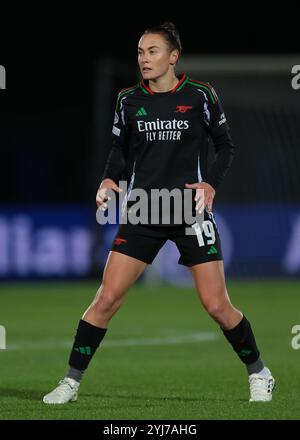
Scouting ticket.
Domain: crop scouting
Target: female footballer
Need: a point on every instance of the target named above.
(160, 140)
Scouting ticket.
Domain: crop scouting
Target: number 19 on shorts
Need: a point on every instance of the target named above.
(208, 232)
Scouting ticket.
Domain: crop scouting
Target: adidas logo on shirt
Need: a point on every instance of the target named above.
(141, 112)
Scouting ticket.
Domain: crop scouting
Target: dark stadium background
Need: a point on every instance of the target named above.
(64, 69)
(64, 72)
(48, 108)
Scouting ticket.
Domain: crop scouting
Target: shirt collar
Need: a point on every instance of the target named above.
(144, 84)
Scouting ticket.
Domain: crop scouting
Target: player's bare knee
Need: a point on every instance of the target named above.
(216, 309)
(108, 300)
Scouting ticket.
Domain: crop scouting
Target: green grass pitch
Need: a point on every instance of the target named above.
(162, 358)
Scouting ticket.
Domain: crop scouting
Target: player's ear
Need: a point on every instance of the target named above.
(174, 57)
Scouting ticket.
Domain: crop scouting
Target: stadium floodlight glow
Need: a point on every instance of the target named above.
(2, 338)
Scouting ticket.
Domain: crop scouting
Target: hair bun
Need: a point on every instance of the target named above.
(169, 27)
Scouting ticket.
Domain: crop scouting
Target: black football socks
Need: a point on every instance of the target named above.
(87, 339)
(243, 343)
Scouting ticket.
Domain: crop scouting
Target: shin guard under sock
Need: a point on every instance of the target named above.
(87, 340)
(243, 342)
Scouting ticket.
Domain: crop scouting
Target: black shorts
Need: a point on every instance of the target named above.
(144, 241)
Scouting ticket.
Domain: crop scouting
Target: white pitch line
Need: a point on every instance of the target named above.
(169, 340)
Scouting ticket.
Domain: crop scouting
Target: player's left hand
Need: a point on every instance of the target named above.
(205, 194)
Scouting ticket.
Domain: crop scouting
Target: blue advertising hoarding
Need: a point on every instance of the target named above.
(58, 242)
(45, 242)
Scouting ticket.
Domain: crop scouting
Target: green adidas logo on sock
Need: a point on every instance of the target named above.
(212, 250)
(84, 350)
(244, 352)
(141, 112)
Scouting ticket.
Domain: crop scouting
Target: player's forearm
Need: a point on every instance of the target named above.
(115, 165)
(225, 151)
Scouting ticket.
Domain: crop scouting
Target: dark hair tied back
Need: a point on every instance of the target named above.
(170, 32)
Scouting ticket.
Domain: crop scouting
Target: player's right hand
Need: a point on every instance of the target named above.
(101, 196)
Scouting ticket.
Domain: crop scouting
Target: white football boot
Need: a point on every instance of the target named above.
(66, 391)
(262, 385)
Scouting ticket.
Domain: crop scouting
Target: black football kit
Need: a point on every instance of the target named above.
(161, 140)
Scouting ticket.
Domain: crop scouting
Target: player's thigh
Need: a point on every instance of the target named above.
(209, 279)
(121, 271)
